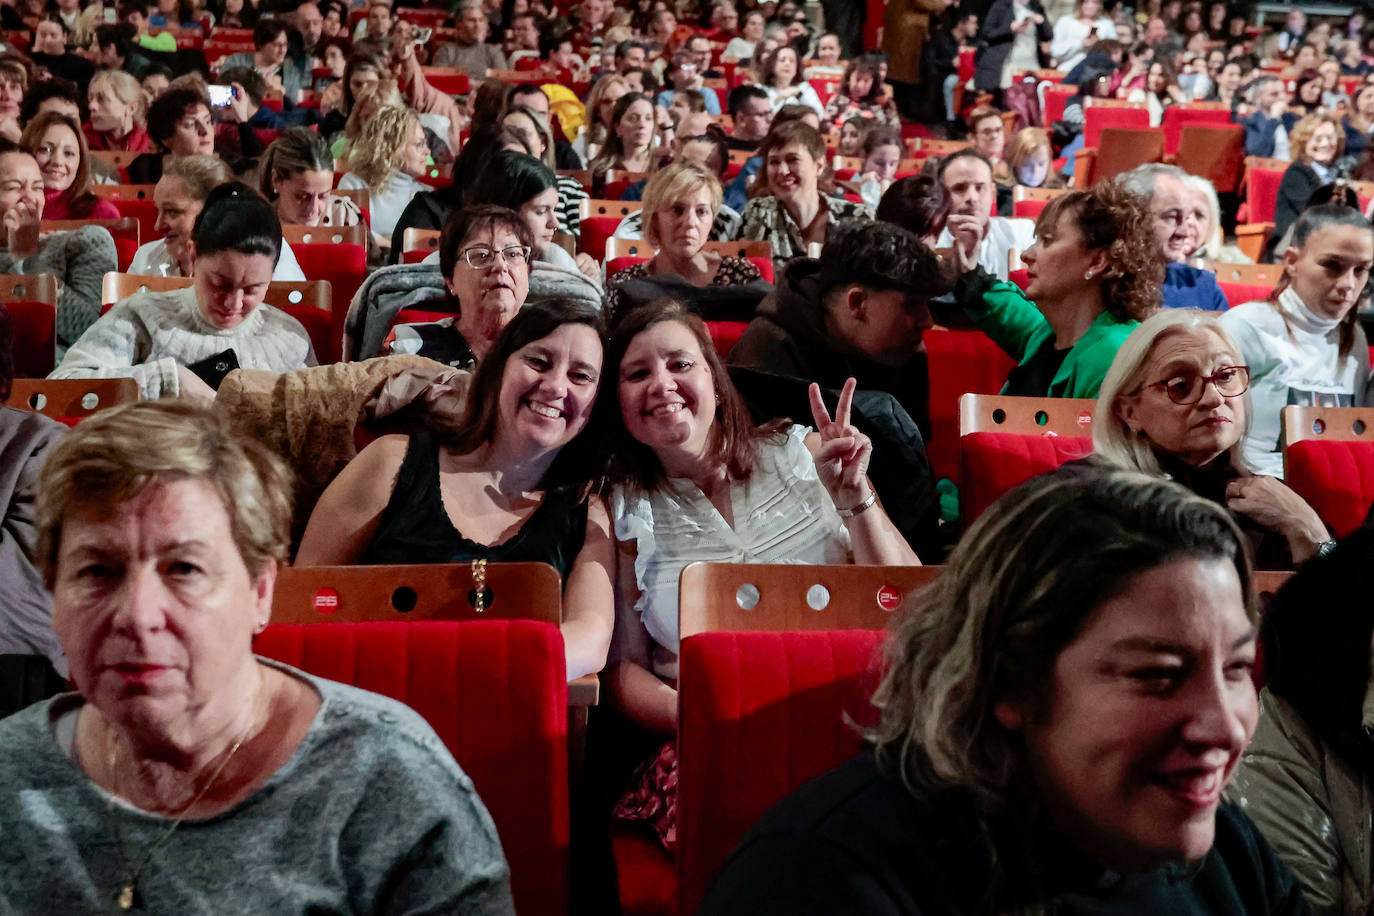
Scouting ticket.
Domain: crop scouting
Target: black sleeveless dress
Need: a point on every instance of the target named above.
(416, 529)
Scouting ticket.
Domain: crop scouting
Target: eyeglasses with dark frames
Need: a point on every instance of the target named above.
(1230, 382)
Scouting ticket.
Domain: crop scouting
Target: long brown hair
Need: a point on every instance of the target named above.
(735, 438)
(1309, 223)
(80, 200)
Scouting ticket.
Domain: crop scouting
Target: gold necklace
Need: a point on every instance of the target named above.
(128, 890)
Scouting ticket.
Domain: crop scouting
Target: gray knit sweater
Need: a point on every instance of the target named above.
(79, 259)
(370, 815)
(148, 336)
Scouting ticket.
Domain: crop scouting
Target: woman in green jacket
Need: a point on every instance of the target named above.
(1094, 273)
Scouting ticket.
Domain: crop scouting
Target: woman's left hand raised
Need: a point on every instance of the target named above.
(842, 462)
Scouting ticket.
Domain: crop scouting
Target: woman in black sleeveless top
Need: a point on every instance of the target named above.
(510, 483)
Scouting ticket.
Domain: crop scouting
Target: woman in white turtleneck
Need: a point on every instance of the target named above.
(1304, 345)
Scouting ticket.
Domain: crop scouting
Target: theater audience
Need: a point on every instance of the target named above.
(791, 213)
(514, 474)
(632, 138)
(181, 123)
(1173, 404)
(182, 342)
(160, 535)
(79, 259)
(681, 202)
(1165, 192)
(1037, 749)
(269, 58)
(362, 75)
(1305, 777)
(484, 254)
(693, 478)
(471, 53)
(58, 146)
(752, 113)
(1076, 34)
(1093, 273)
(1304, 345)
(600, 106)
(857, 311)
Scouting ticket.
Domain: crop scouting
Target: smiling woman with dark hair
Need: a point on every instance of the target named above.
(510, 483)
(1059, 714)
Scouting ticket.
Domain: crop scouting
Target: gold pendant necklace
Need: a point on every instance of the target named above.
(127, 897)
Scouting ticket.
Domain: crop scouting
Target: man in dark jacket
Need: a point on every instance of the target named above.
(858, 311)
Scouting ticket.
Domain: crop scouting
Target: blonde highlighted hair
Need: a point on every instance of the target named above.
(121, 86)
(671, 184)
(377, 153)
(1113, 440)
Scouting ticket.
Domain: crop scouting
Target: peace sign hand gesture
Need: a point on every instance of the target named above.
(842, 460)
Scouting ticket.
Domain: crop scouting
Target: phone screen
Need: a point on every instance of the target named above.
(221, 95)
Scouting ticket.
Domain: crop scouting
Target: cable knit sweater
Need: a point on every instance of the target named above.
(150, 335)
(79, 260)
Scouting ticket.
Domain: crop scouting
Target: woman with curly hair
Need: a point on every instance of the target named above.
(861, 93)
(1094, 272)
(388, 159)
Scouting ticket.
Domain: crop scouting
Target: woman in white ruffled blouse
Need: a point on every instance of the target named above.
(694, 479)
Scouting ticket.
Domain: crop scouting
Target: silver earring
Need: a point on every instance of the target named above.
(1088, 275)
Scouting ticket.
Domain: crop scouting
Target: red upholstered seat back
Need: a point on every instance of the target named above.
(318, 324)
(595, 230)
(961, 362)
(1262, 194)
(1176, 116)
(1336, 478)
(145, 211)
(1056, 100)
(725, 334)
(1096, 117)
(495, 691)
(1241, 293)
(762, 713)
(345, 267)
(994, 463)
(35, 338)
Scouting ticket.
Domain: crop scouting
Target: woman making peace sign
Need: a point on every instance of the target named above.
(695, 480)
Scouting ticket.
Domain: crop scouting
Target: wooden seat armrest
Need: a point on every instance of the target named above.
(1250, 239)
(1084, 161)
(584, 691)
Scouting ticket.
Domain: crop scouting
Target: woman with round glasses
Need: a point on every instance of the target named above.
(1304, 344)
(1173, 404)
(484, 253)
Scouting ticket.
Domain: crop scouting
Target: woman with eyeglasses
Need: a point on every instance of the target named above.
(484, 253)
(1173, 404)
(509, 482)
(1304, 344)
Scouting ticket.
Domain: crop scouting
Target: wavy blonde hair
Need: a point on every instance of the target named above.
(376, 155)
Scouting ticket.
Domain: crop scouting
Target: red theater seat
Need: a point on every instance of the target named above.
(495, 692)
(993, 463)
(762, 713)
(960, 362)
(1336, 478)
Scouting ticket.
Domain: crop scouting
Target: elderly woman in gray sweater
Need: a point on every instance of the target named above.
(180, 343)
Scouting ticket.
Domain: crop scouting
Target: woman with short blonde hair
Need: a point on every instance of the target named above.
(1176, 403)
(118, 110)
(680, 205)
(388, 158)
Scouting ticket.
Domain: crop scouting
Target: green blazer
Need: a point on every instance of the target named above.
(1017, 326)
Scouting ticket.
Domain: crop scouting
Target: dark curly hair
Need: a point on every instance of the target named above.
(918, 203)
(1116, 220)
